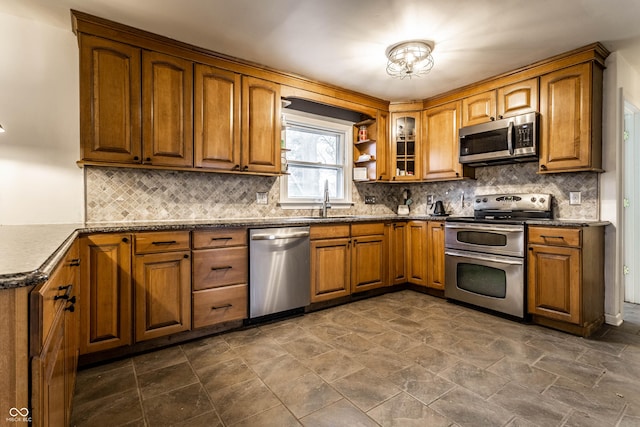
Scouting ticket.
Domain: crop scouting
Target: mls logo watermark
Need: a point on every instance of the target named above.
(18, 415)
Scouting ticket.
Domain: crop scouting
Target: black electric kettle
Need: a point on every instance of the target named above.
(439, 208)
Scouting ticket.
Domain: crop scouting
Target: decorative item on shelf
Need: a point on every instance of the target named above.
(364, 158)
(362, 133)
(360, 174)
(409, 58)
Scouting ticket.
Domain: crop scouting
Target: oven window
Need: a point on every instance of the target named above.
(482, 238)
(482, 280)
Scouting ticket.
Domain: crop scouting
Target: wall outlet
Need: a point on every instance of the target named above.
(262, 198)
(429, 199)
(575, 198)
(369, 200)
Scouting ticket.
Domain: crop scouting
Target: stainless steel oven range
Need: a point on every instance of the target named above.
(485, 255)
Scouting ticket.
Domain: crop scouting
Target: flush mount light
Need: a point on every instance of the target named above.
(1, 129)
(410, 58)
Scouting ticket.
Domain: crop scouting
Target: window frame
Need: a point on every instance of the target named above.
(342, 127)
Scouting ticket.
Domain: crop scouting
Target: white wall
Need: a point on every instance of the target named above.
(39, 180)
(619, 78)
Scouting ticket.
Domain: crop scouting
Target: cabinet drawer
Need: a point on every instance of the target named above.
(555, 236)
(219, 267)
(219, 238)
(161, 241)
(367, 229)
(45, 307)
(328, 231)
(219, 305)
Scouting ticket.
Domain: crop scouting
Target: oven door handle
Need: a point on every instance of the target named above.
(480, 257)
(495, 229)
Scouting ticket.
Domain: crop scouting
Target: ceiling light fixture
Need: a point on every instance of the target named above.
(410, 58)
(1, 129)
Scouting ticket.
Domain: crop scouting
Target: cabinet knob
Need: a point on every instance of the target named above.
(136, 158)
(235, 167)
(246, 168)
(186, 256)
(380, 178)
(543, 167)
(148, 159)
(125, 240)
(492, 118)
(500, 117)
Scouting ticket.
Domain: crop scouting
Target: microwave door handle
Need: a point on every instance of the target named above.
(510, 138)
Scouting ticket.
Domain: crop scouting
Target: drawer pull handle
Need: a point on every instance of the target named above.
(224, 267)
(74, 262)
(67, 291)
(552, 237)
(71, 308)
(168, 242)
(221, 238)
(221, 307)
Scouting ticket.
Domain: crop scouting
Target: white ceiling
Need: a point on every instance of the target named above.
(342, 42)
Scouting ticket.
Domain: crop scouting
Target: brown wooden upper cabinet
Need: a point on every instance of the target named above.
(110, 99)
(506, 101)
(571, 124)
(167, 115)
(261, 106)
(405, 146)
(216, 118)
(441, 143)
(374, 147)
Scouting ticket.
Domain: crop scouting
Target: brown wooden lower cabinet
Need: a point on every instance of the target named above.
(566, 278)
(417, 252)
(330, 269)
(369, 257)
(435, 255)
(106, 292)
(162, 294)
(398, 250)
(54, 343)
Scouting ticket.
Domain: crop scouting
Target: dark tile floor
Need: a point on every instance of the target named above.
(401, 359)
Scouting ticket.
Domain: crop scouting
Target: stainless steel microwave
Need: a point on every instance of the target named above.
(510, 140)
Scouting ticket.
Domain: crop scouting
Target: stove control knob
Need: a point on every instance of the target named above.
(533, 200)
(541, 199)
(485, 200)
(477, 200)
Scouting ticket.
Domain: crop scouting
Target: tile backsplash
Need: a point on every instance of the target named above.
(124, 195)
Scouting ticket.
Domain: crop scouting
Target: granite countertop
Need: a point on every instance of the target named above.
(29, 253)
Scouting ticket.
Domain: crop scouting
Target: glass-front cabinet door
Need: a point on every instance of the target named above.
(405, 145)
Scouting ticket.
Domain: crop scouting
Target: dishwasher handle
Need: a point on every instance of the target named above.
(297, 235)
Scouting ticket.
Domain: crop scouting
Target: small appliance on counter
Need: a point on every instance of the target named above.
(403, 209)
(438, 209)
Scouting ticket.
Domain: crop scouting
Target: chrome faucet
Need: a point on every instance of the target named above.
(325, 203)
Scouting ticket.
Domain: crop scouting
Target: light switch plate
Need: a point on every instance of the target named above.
(575, 198)
(369, 200)
(429, 199)
(262, 198)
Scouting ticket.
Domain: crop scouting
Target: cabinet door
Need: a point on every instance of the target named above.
(260, 125)
(554, 282)
(162, 294)
(167, 102)
(330, 269)
(417, 253)
(72, 325)
(518, 98)
(216, 118)
(110, 124)
(441, 148)
(435, 255)
(48, 392)
(369, 263)
(105, 292)
(405, 146)
(480, 108)
(565, 103)
(398, 253)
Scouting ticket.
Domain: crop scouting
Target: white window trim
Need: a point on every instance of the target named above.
(337, 125)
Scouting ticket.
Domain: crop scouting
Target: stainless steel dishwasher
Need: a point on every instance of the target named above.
(279, 276)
